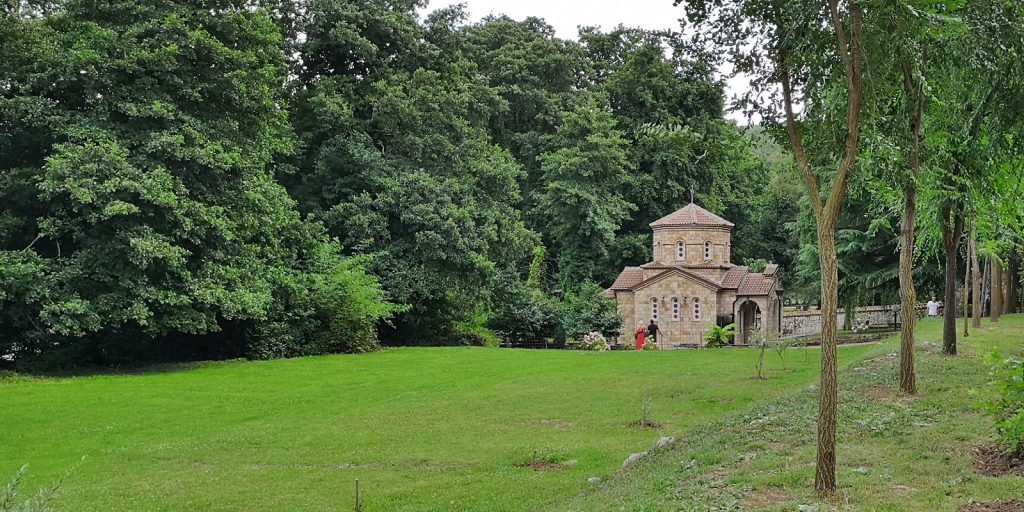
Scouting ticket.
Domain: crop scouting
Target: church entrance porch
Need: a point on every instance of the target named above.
(749, 321)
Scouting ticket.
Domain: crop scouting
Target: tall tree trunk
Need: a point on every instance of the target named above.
(997, 290)
(825, 477)
(976, 296)
(1011, 278)
(967, 291)
(986, 288)
(952, 229)
(908, 294)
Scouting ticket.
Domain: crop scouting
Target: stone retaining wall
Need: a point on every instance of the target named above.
(803, 323)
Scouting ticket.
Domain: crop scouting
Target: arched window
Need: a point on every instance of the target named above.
(675, 308)
(709, 250)
(696, 308)
(681, 251)
(654, 308)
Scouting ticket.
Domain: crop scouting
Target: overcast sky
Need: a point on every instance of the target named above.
(567, 15)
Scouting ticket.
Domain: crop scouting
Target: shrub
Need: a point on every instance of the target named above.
(651, 346)
(720, 336)
(594, 341)
(521, 311)
(587, 309)
(332, 305)
(1006, 406)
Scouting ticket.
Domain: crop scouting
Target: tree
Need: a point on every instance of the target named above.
(771, 40)
(960, 138)
(141, 218)
(582, 200)
(397, 161)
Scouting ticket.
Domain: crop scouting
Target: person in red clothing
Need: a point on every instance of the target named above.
(641, 333)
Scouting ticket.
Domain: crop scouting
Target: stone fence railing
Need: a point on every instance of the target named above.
(802, 323)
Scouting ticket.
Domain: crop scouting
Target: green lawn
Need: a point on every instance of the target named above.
(422, 429)
(895, 453)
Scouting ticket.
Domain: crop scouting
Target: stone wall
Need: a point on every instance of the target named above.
(665, 240)
(802, 323)
(636, 309)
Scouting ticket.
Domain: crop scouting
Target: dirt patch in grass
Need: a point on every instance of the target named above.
(887, 394)
(990, 460)
(993, 506)
(765, 497)
(553, 423)
(645, 425)
(540, 465)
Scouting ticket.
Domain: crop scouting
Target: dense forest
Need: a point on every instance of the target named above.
(185, 180)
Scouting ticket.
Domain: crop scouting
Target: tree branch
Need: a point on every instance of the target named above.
(853, 67)
(803, 162)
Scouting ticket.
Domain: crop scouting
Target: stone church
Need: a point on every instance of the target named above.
(691, 285)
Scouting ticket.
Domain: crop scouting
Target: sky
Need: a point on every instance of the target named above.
(566, 15)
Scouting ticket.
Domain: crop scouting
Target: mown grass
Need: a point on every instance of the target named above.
(895, 453)
(422, 429)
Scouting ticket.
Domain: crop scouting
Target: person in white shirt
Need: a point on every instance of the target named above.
(933, 308)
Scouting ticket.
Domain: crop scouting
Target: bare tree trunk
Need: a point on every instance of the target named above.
(1011, 278)
(825, 478)
(976, 282)
(967, 284)
(997, 290)
(952, 229)
(849, 314)
(908, 294)
(986, 288)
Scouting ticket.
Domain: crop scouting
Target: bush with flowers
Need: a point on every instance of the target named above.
(594, 340)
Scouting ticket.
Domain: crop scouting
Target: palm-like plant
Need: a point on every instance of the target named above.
(720, 336)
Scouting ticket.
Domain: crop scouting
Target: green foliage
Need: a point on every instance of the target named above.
(586, 310)
(756, 264)
(474, 331)
(1006, 407)
(141, 216)
(582, 201)
(719, 336)
(521, 311)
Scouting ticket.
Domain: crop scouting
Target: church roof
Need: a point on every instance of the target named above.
(746, 282)
(756, 284)
(629, 277)
(691, 215)
(734, 276)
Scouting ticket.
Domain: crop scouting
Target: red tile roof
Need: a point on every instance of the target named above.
(691, 215)
(734, 276)
(756, 284)
(771, 269)
(629, 277)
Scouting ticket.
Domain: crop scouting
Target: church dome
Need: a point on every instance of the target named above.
(691, 215)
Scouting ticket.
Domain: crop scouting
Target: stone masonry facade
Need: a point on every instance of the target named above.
(691, 285)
